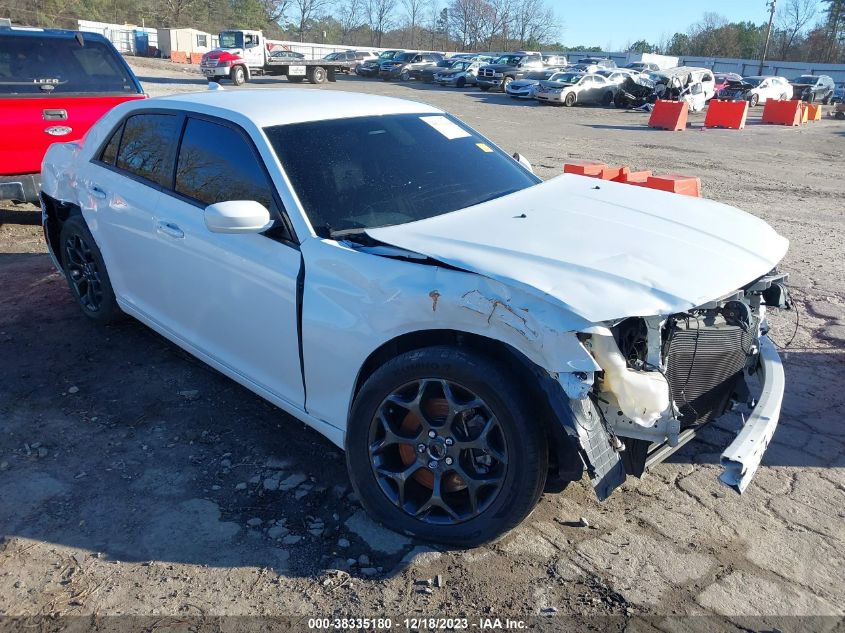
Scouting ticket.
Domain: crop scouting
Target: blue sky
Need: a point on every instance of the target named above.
(618, 22)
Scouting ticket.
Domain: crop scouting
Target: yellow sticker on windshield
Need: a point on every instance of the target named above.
(484, 147)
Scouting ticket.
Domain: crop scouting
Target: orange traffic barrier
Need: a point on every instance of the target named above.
(814, 111)
(196, 58)
(178, 57)
(639, 178)
(804, 112)
(669, 115)
(614, 173)
(675, 183)
(728, 114)
(782, 112)
(585, 168)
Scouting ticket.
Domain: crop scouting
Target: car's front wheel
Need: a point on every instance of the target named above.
(569, 99)
(86, 273)
(755, 99)
(442, 445)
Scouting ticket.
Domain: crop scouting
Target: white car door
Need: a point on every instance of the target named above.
(123, 183)
(233, 297)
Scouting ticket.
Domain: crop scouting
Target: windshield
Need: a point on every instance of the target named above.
(509, 60)
(461, 65)
(387, 54)
(30, 65)
(330, 56)
(377, 171)
(231, 39)
(805, 79)
(569, 78)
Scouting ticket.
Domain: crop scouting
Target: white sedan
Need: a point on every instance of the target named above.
(758, 89)
(465, 331)
(568, 88)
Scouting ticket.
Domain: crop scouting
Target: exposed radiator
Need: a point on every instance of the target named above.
(703, 364)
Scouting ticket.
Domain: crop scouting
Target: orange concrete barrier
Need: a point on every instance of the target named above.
(675, 183)
(805, 108)
(669, 115)
(196, 58)
(614, 173)
(814, 111)
(584, 168)
(782, 112)
(639, 178)
(178, 57)
(727, 114)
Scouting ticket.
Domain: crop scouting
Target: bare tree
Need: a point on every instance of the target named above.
(380, 18)
(350, 18)
(793, 19)
(275, 9)
(307, 10)
(413, 13)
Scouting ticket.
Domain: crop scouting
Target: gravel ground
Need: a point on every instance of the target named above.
(135, 480)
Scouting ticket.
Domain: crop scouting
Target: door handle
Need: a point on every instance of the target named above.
(95, 191)
(170, 229)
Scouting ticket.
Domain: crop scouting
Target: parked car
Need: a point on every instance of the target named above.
(757, 89)
(670, 82)
(634, 92)
(461, 73)
(812, 88)
(461, 351)
(351, 59)
(722, 79)
(838, 93)
(280, 54)
(616, 75)
(508, 68)
(402, 65)
(643, 67)
(601, 62)
(370, 67)
(554, 60)
(426, 73)
(524, 88)
(54, 85)
(568, 88)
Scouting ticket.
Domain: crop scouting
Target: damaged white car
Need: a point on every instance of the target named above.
(467, 333)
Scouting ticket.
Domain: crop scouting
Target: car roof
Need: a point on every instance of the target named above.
(292, 105)
(65, 34)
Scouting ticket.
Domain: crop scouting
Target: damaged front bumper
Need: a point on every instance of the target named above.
(742, 458)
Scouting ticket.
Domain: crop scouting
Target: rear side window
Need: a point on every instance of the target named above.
(147, 147)
(49, 65)
(109, 154)
(216, 163)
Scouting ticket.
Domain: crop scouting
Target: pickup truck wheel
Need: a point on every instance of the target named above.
(86, 273)
(506, 82)
(238, 75)
(318, 75)
(442, 445)
(569, 100)
(754, 100)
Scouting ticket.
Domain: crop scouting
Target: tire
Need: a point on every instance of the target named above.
(295, 80)
(484, 88)
(511, 433)
(318, 75)
(826, 99)
(85, 272)
(238, 75)
(754, 100)
(462, 82)
(505, 83)
(570, 99)
(405, 76)
(607, 99)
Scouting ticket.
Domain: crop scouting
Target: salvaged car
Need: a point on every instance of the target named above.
(524, 88)
(461, 73)
(671, 82)
(469, 334)
(812, 88)
(568, 88)
(757, 89)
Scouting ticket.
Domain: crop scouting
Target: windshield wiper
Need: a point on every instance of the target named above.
(344, 233)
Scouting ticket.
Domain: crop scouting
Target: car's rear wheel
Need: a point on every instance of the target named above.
(569, 99)
(442, 445)
(86, 273)
(318, 75)
(238, 75)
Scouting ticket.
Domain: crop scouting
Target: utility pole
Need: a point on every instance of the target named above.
(772, 4)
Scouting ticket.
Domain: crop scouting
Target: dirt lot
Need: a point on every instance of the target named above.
(134, 480)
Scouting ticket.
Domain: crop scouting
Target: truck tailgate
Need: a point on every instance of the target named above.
(29, 125)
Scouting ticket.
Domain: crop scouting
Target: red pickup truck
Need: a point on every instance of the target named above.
(54, 85)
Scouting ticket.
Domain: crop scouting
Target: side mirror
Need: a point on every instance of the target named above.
(523, 161)
(237, 216)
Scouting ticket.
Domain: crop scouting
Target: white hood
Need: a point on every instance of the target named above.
(604, 250)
